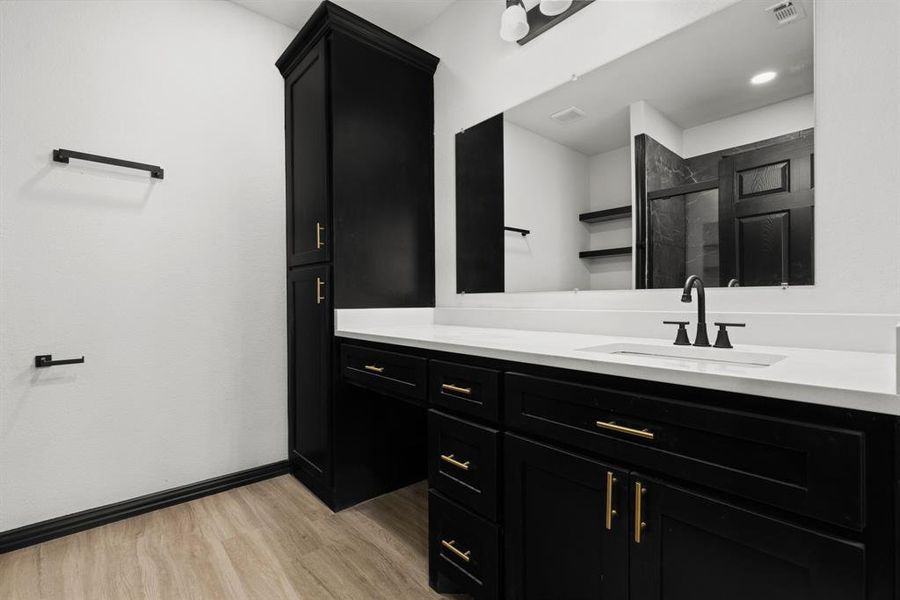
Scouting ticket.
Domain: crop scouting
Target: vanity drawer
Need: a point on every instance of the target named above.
(470, 390)
(462, 462)
(804, 468)
(463, 550)
(391, 373)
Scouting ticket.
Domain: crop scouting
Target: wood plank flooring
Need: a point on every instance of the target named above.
(267, 541)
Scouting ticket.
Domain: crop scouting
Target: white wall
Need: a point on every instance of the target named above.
(767, 122)
(545, 189)
(645, 118)
(173, 290)
(857, 139)
(610, 187)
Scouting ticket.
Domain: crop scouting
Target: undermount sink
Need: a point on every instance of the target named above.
(689, 353)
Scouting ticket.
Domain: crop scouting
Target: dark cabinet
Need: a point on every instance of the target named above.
(382, 136)
(359, 119)
(359, 152)
(463, 462)
(799, 466)
(606, 487)
(307, 159)
(463, 550)
(309, 372)
(578, 528)
(693, 547)
(567, 525)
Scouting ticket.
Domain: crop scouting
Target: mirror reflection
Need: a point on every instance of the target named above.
(691, 155)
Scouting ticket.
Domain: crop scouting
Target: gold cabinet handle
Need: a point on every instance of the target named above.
(466, 556)
(639, 524)
(448, 458)
(612, 426)
(374, 368)
(449, 387)
(319, 296)
(610, 511)
(319, 230)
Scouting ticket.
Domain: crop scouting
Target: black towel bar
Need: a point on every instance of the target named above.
(62, 155)
(46, 360)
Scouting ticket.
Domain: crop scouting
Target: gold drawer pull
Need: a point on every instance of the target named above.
(319, 230)
(610, 511)
(449, 387)
(374, 369)
(639, 524)
(448, 458)
(466, 556)
(641, 433)
(319, 296)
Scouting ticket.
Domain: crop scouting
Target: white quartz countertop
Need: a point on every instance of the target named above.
(855, 380)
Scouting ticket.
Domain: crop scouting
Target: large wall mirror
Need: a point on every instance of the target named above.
(691, 155)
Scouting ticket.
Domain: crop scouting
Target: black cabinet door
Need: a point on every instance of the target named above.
(309, 371)
(686, 546)
(383, 177)
(566, 525)
(307, 159)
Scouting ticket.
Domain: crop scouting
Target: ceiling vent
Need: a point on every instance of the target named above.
(787, 12)
(573, 113)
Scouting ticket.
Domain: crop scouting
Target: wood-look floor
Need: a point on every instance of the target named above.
(266, 541)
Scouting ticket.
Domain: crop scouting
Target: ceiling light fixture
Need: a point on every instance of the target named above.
(551, 8)
(514, 22)
(764, 77)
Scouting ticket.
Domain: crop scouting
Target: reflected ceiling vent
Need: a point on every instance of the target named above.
(787, 12)
(573, 113)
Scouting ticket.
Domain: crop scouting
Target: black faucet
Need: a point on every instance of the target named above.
(693, 281)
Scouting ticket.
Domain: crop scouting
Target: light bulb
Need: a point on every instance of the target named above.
(513, 23)
(551, 8)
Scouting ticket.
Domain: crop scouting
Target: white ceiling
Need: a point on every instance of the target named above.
(400, 17)
(693, 76)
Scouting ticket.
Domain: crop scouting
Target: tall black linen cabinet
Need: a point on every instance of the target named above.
(359, 147)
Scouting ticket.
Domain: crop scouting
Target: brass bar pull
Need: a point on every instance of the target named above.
(319, 230)
(448, 458)
(449, 387)
(610, 512)
(641, 433)
(319, 296)
(466, 556)
(639, 524)
(374, 369)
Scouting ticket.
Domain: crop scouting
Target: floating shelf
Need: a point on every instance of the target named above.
(610, 214)
(605, 252)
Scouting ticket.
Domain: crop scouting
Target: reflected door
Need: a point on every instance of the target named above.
(766, 214)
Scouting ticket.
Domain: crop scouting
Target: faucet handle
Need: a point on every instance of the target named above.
(722, 340)
(682, 338)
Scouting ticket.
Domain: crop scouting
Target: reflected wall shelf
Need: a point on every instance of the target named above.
(605, 252)
(610, 214)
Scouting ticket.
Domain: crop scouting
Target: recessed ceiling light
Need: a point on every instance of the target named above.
(764, 77)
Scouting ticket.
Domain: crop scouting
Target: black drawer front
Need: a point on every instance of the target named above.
(463, 550)
(387, 372)
(804, 468)
(469, 390)
(462, 462)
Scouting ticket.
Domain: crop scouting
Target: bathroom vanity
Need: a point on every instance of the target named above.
(575, 482)
(566, 466)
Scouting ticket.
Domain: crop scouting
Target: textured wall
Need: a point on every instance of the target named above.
(173, 290)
